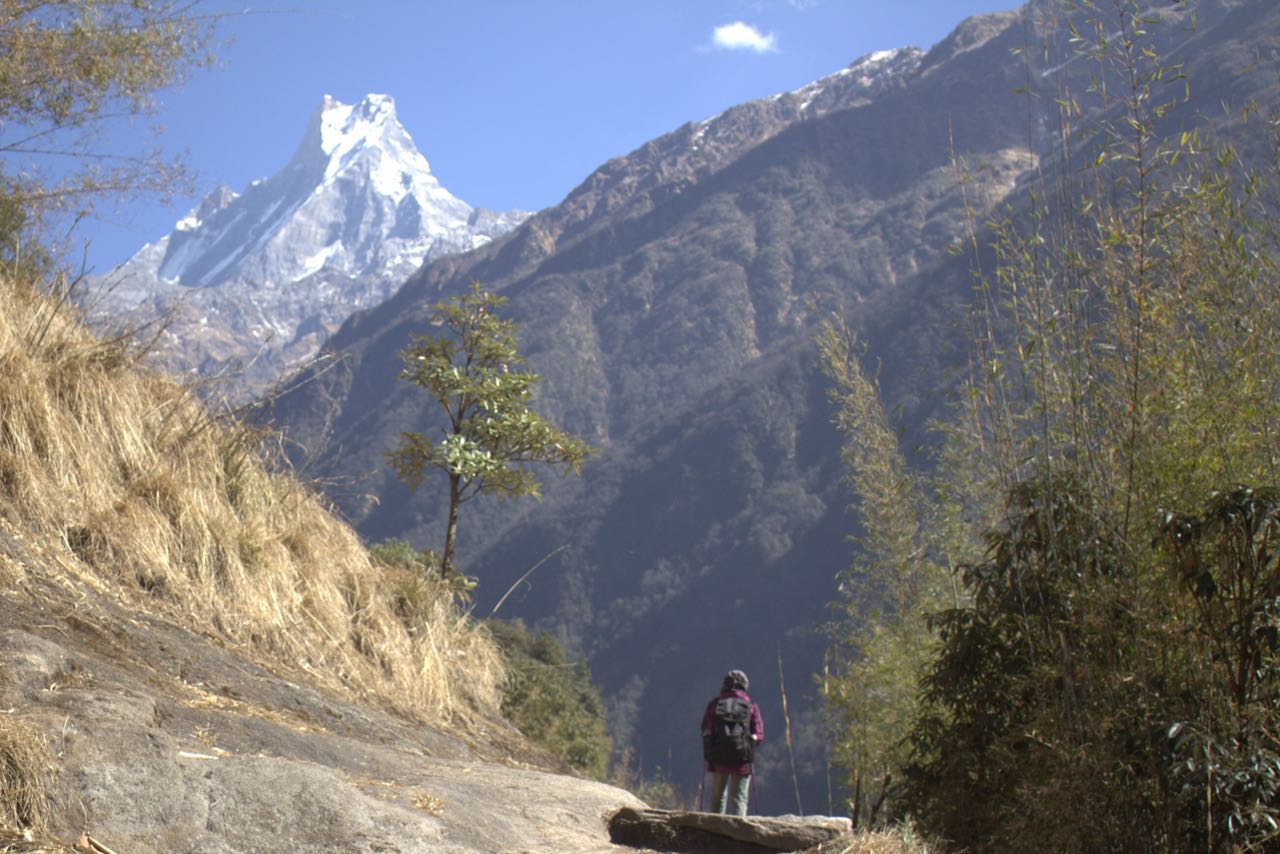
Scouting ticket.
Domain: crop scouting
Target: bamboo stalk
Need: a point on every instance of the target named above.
(786, 718)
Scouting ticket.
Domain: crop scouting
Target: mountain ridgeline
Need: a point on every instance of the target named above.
(251, 283)
(669, 304)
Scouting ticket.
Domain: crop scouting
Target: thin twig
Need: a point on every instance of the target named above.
(521, 579)
(786, 717)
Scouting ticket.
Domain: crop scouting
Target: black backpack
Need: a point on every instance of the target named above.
(730, 741)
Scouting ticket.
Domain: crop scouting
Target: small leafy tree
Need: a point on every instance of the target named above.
(491, 435)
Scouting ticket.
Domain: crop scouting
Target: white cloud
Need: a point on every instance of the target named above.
(740, 36)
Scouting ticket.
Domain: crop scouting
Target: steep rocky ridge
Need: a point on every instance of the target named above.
(669, 301)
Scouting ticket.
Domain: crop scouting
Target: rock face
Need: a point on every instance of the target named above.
(164, 741)
(708, 833)
(257, 280)
(669, 304)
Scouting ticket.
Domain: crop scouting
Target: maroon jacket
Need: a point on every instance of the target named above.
(754, 722)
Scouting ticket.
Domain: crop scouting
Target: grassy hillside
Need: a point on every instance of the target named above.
(126, 483)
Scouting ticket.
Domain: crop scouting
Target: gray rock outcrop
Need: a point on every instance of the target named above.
(166, 741)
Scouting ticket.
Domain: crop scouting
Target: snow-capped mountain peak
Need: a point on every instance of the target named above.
(343, 127)
(357, 197)
(351, 215)
(339, 134)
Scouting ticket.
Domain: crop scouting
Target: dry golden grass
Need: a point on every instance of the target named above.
(888, 842)
(124, 471)
(25, 769)
(390, 791)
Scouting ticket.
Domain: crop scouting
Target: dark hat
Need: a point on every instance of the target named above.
(734, 679)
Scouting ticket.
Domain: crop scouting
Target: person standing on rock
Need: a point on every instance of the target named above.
(731, 730)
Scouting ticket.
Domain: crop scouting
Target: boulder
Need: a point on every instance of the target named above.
(709, 833)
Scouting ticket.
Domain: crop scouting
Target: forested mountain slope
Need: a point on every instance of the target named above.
(669, 303)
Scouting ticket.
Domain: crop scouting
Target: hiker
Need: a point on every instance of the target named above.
(731, 730)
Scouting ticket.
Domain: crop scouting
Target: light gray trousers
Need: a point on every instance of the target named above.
(729, 793)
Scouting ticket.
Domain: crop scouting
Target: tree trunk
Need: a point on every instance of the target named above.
(450, 532)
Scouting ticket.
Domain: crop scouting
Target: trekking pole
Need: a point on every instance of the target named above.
(702, 783)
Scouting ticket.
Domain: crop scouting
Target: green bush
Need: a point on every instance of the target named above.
(1086, 690)
(551, 699)
(416, 579)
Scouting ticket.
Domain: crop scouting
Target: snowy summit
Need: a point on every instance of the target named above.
(356, 198)
(270, 271)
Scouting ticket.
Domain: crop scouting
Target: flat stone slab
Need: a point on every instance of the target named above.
(712, 833)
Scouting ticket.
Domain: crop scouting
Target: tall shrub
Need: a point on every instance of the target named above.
(1127, 365)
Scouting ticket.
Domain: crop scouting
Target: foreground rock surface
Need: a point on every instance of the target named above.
(164, 741)
(709, 833)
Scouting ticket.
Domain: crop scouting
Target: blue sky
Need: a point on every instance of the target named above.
(513, 102)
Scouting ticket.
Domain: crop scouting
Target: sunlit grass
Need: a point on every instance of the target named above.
(122, 471)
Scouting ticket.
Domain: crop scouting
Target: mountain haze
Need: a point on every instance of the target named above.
(257, 280)
(669, 303)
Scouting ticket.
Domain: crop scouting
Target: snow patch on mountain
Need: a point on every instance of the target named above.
(869, 73)
(855, 84)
